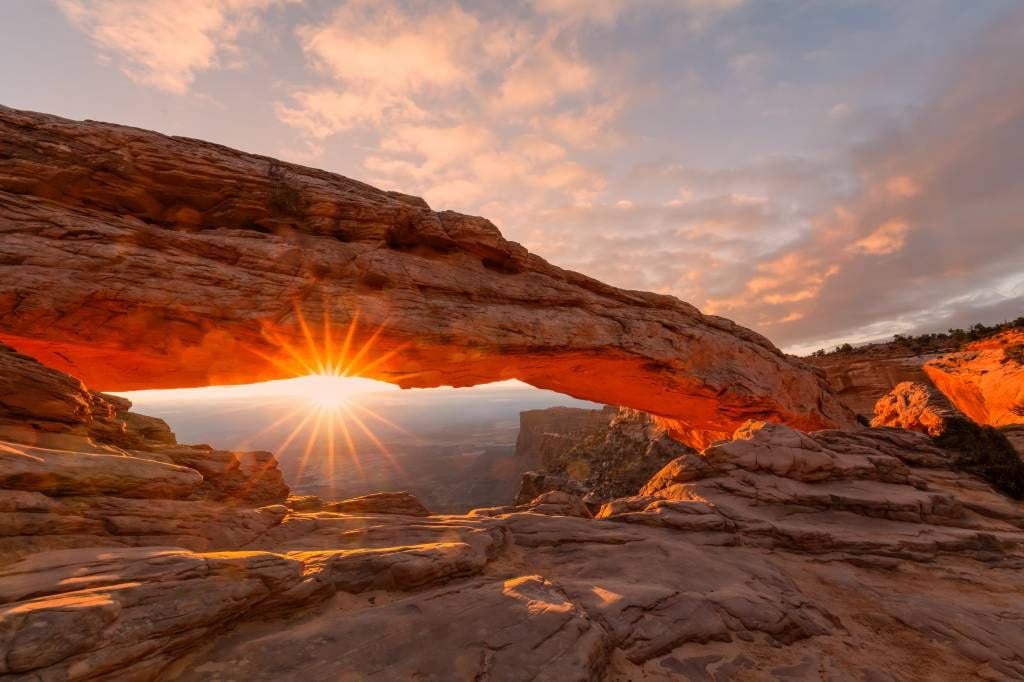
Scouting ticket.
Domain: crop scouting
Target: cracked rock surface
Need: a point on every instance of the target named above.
(777, 554)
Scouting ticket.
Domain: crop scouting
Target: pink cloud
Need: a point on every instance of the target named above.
(165, 43)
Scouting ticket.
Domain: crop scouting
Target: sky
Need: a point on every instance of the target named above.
(818, 171)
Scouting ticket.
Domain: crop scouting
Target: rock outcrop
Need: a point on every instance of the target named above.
(77, 469)
(135, 260)
(989, 452)
(775, 554)
(609, 453)
(380, 503)
(916, 407)
(547, 434)
(123, 554)
(985, 380)
(862, 376)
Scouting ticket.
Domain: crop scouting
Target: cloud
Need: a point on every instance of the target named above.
(938, 195)
(322, 112)
(522, 113)
(382, 47)
(888, 234)
(541, 76)
(888, 238)
(165, 43)
(472, 110)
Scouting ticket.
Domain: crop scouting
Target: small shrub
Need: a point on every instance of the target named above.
(1015, 353)
(986, 452)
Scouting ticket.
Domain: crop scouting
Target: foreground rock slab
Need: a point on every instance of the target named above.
(777, 554)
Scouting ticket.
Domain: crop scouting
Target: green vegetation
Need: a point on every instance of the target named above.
(926, 342)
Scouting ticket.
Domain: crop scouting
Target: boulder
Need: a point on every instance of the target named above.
(402, 503)
(916, 407)
(57, 472)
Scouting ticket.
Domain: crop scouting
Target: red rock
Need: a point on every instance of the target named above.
(402, 503)
(916, 407)
(135, 260)
(986, 379)
(607, 453)
(862, 376)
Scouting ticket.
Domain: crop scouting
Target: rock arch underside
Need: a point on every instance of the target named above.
(136, 260)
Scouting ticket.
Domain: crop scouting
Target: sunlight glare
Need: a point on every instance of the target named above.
(331, 391)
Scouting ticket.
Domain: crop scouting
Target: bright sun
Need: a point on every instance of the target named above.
(331, 392)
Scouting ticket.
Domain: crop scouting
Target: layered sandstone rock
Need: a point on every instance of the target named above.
(862, 376)
(982, 378)
(600, 454)
(44, 412)
(380, 503)
(916, 407)
(774, 554)
(547, 434)
(985, 380)
(981, 449)
(135, 260)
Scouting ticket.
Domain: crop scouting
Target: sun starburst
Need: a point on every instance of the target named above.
(328, 413)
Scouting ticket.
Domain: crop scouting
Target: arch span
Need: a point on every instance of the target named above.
(136, 260)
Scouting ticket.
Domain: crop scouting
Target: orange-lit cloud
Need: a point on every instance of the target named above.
(887, 238)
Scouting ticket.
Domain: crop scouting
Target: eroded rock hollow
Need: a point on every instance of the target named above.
(135, 260)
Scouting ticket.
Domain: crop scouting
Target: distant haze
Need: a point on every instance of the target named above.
(455, 448)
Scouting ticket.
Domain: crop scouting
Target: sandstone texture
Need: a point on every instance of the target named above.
(134, 260)
(861, 377)
(916, 407)
(994, 454)
(547, 434)
(599, 454)
(982, 378)
(777, 554)
(986, 379)
(380, 503)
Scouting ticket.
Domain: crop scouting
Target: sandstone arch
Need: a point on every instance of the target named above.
(136, 260)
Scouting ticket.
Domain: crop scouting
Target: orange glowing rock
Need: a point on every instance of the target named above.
(135, 260)
(986, 379)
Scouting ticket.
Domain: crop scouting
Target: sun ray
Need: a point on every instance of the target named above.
(383, 358)
(328, 340)
(353, 366)
(290, 351)
(341, 368)
(353, 455)
(376, 441)
(310, 442)
(250, 441)
(310, 339)
(331, 470)
(383, 420)
(334, 421)
(295, 432)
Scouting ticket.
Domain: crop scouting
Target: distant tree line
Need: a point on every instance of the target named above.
(925, 341)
